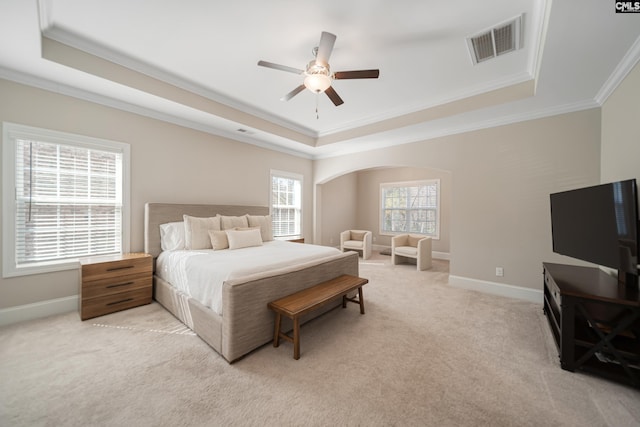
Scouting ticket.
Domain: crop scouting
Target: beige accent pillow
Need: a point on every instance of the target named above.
(219, 240)
(264, 222)
(197, 231)
(231, 222)
(358, 235)
(243, 238)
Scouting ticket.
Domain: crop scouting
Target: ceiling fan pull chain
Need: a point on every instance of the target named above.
(317, 114)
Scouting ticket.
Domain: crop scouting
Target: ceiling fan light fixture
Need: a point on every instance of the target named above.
(317, 75)
(317, 83)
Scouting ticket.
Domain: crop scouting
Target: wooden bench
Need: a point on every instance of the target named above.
(306, 300)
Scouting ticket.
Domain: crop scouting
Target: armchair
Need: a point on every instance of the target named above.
(357, 240)
(405, 246)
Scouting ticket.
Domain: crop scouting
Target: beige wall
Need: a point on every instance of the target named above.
(501, 179)
(168, 164)
(364, 205)
(621, 131)
(339, 208)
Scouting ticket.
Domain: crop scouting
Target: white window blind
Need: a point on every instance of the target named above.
(286, 204)
(410, 207)
(69, 200)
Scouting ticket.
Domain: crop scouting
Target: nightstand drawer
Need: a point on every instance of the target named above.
(114, 282)
(111, 269)
(114, 285)
(111, 303)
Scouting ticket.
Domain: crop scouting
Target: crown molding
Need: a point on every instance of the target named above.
(469, 127)
(76, 41)
(624, 67)
(536, 55)
(69, 38)
(460, 96)
(63, 89)
(40, 83)
(311, 153)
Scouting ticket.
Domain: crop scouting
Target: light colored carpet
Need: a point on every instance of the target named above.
(423, 354)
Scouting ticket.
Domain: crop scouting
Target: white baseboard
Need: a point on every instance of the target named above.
(501, 289)
(440, 255)
(37, 310)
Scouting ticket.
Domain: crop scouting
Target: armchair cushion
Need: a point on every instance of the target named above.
(357, 235)
(413, 240)
(409, 251)
(400, 240)
(353, 244)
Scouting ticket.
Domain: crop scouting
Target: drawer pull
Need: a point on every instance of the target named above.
(120, 302)
(120, 284)
(120, 268)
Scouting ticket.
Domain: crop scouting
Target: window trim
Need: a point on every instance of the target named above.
(384, 185)
(283, 174)
(10, 133)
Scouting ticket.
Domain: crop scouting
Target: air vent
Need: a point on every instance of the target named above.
(496, 41)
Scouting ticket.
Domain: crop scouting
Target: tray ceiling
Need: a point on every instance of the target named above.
(194, 63)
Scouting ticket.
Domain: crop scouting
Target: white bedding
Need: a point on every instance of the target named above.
(201, 273)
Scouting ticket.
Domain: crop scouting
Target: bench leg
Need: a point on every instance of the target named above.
(344, 301)
(296, 338)
(361, 300)
(276, 333)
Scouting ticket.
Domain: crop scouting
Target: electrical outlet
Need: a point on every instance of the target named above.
(374, 239)
(331, 241)
(499, 271)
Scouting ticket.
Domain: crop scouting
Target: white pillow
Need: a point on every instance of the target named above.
(218, 240)
(172, 236)
(231, 222)
(264, 222)
(197, 231)
(244, 238)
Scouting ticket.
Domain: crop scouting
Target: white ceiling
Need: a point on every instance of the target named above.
(194, 63)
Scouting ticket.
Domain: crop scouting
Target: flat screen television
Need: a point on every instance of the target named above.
(599, 224)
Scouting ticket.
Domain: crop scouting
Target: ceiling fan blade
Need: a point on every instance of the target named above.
(293, 93)
(359, 74)
(333, 96)
(280, 67)
(327, 40)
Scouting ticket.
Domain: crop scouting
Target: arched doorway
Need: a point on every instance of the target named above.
(352, 200)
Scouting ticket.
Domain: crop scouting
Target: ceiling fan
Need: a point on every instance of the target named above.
(318, 75)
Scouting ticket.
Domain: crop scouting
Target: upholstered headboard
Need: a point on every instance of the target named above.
(161, 213)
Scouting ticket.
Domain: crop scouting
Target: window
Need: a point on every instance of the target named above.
(65, 196)
(410, 207)
(286, 204)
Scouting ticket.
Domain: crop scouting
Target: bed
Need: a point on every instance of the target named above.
(241, 322)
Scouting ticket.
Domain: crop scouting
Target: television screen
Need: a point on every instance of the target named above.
(598, 224)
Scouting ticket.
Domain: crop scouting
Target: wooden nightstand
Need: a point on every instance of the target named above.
(114, 282)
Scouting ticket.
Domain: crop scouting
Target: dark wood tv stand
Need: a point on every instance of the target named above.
(595, 321)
